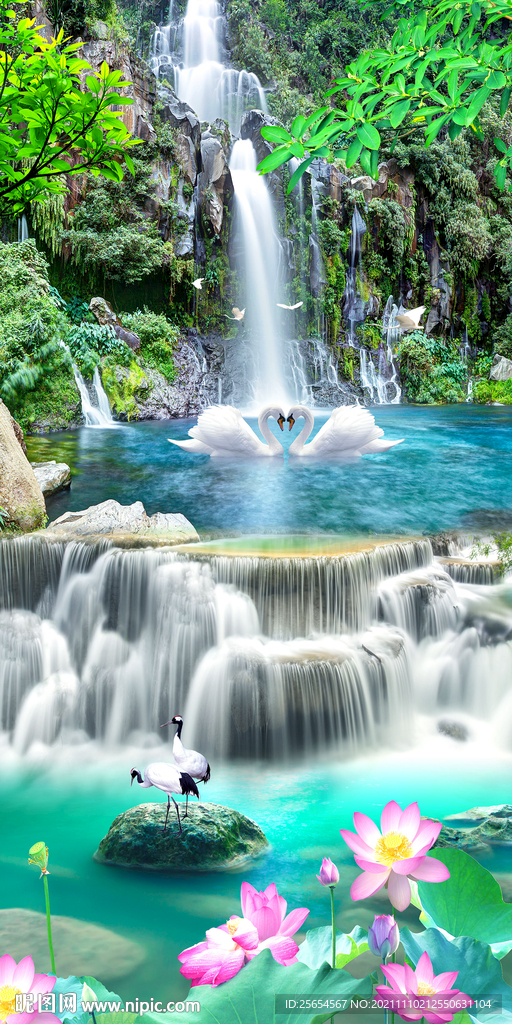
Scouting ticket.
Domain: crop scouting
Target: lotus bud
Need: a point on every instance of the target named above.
(38, 854)
(329, 874)
(383, 936)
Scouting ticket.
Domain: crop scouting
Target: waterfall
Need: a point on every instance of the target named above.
(202, 79)
(22, 228)
(353, 300)
(95, 416)
(264, 656)
(255, 224)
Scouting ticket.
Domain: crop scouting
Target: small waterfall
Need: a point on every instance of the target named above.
(255, 223)
(353, 309)
(202, 79)
(95, 416)
(22, 228)
(265, 656)
(370, 379)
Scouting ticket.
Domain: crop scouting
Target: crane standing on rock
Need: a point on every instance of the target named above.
(189, 761)
(169, 779)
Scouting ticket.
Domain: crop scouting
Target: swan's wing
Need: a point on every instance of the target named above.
(282, 306)
(192, 446)
(347, 429)
(405, 321)
(297, 304)
(224, 430)
(379, 445)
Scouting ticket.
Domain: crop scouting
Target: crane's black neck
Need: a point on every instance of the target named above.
(178, 730)
(138, 776)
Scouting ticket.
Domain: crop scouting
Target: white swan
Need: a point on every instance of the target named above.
(221, 431)
(350, 430)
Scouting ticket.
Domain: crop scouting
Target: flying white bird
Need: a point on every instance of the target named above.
(296, 306)
(237, 314)
(410, 321)
(189, 761)
(198, 284)
(350, 430)
(169, 779)
(221, 431)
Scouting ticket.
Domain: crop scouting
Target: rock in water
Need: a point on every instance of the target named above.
(52, 476)
(81, 948)
(20, 493)
(491, 826)
(213, 838)
(111, 519)
(455, 730)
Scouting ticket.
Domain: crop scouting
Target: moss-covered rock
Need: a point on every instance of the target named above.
(213, 838)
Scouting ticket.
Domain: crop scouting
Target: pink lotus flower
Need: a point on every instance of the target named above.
(221, 956)
(227, 948)
(267, 912)
(329, 874)
(421, 982)
(21, 979)
(395, 854)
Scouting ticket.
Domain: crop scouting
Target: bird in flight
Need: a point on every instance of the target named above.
(296, 306)
(198, 284)
(237, 314)
(410, 321)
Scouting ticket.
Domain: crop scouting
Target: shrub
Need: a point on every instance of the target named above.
(503, 338)
(89, 342)
(158, 338)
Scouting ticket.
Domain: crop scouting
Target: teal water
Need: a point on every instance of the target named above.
(453, 469)
(301, 810)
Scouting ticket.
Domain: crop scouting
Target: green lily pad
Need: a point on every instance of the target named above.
(469, 902)
(316, 948)
(249, 998)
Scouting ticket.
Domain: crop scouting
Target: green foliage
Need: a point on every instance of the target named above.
(123, 386)
(158, 339)
(503, 338)
(49, 127)
(503, 543)
(392, 228)
(410, 86)
(331, 236)
(4, 516)
(48, 219)
(89, 342)
(316, 948)
(431, 370)
(485, 392)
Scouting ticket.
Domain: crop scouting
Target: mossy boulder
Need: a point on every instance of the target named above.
(213, 838)
(482, 828)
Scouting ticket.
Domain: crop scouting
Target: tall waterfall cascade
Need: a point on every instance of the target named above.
(191, 53)
(265, 657)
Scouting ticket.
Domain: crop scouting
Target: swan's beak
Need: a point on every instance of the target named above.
(280, 420)
(291, 421)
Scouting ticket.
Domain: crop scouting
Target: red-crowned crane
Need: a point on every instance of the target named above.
(189, 761)
(169, 779)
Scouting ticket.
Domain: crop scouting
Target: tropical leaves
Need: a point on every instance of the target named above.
(437, 73)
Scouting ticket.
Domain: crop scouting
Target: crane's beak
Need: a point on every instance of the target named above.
(291, 421)
(131, 783)
(166, 723)
(280, 420)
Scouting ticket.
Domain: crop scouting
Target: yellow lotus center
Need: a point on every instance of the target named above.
(424, 989)
(7, 1000)
(232, 926)
(391, 847)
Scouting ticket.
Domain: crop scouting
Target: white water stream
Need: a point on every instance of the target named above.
(264, 657)
(94, 415)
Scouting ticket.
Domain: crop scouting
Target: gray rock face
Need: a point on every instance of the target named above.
(110, 518)
(104, 314)
(215, 185)
(481, 829)
(196, 385)
(20, 493)
(52, 476)
(213, 838)
(501, 368)
(80, 948)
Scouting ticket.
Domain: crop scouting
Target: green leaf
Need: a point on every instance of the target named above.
(479, 98)
(272, 133)
(368, 135)
(398, 112)
(353, 152)
(457, 21)
(273, 160)
(505, 100)
(316, 948)
(297, 174)
(298, 126)
(500, 174)
(455, 130)
(366, 161)
(500, 145)
(129, 163)
(479, 972)
(469, 902)
(249, 998)
(496, 80)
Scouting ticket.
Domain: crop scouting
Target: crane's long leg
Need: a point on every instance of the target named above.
(186, 808)
(167, 815)
(178, 813)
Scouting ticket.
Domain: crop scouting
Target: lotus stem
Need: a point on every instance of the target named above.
(49, 923)
(333, 921)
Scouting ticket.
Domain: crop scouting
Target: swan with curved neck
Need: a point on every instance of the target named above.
(350, 430)
(221, 431)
